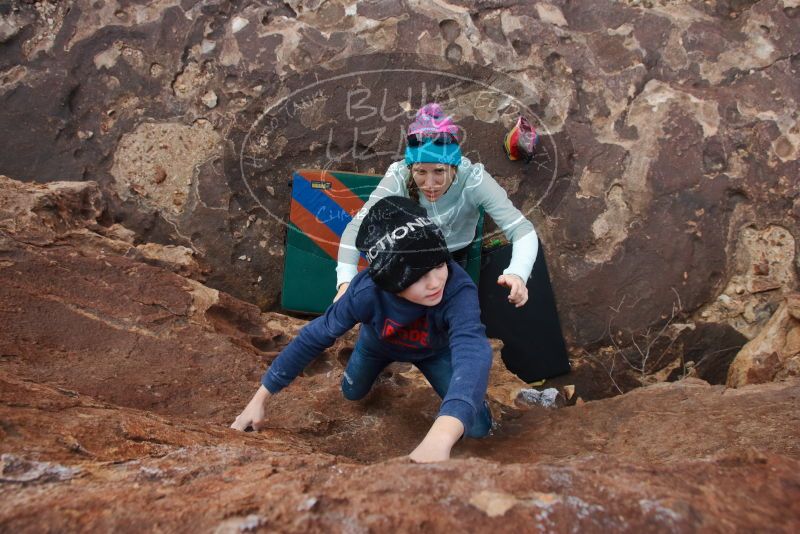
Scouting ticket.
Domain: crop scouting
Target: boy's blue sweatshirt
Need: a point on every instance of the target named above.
(403, 331)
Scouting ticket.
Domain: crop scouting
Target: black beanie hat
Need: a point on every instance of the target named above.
(400, 242)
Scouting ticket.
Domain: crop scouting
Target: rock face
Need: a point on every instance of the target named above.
(119, 378)
(664, 187)
(69, 465)
(162, 136)
(775, 353)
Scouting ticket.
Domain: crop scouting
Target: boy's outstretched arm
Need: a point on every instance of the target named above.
(436, 446)
(253, 414)
(312, 339)
(471, 358)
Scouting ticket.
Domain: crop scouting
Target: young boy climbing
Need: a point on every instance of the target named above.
(414, 305)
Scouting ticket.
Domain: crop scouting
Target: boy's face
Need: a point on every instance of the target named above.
(429, 289)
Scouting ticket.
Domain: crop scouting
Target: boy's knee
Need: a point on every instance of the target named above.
(351, 394)
(351, 391)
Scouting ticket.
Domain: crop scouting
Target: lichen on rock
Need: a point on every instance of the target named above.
(156, 164)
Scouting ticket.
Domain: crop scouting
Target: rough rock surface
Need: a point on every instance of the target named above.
(775, 353)
(88, 466)
(665, 185)
(118, 379)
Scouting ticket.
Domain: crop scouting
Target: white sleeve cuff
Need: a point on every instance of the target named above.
(523, 255)
(345, 272)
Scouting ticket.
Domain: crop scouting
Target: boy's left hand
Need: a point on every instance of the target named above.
(519, 291)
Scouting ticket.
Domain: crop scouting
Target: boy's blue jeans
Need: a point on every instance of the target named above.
(366, 364)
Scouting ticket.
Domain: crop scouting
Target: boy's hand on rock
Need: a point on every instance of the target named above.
(427, 452)
(440, 439)
(254, 413)
(519, 292)
(340, 291)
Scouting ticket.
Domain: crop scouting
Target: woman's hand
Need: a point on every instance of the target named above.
(519, 292)
(253, 414)
(340, 291)
(440, 439)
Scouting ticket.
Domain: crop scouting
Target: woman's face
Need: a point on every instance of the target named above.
(433, 179)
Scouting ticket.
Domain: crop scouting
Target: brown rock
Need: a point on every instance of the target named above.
(792, 345)
(68, 213)
(160, 176)
(47, 210)
(153, 471)
(493, 504)
(504, 386)
(764, 368)
(178, 259)
(193, 355)
(8, 29)
(623, 91)
(760, 286)
(793, 305)
(774, 353)
(761, 268)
